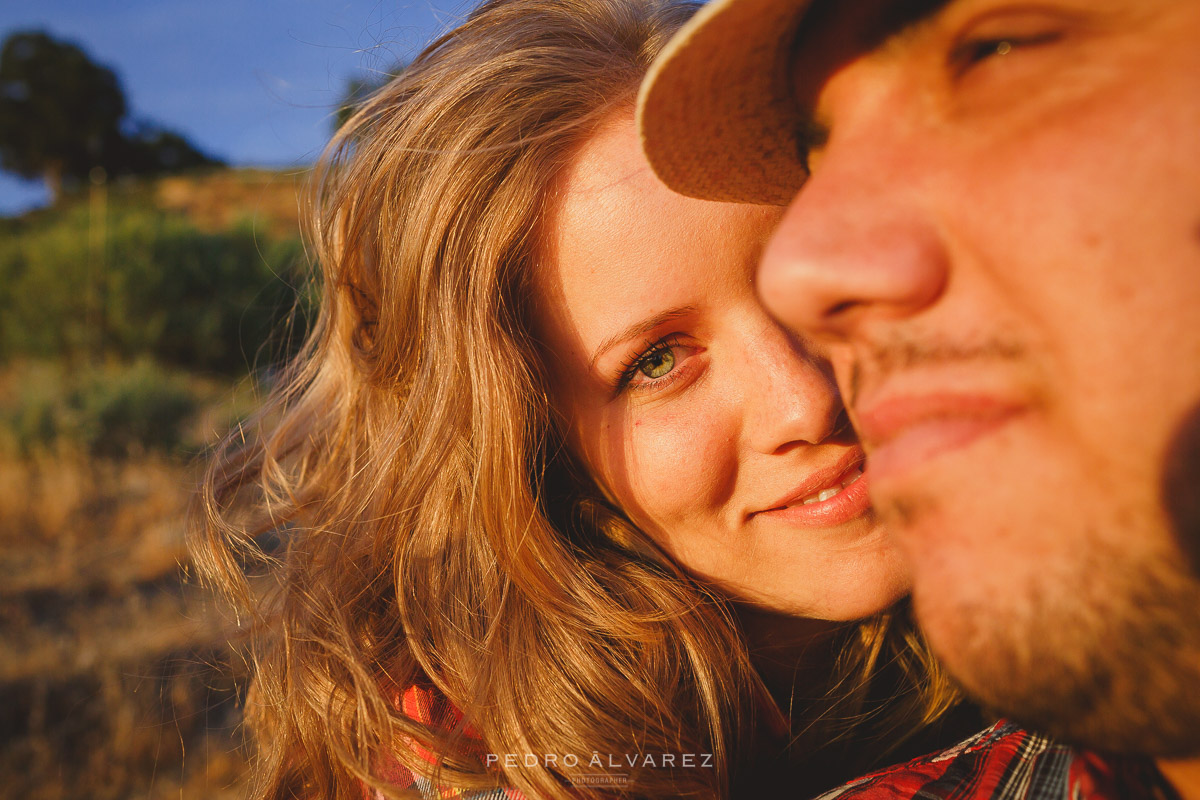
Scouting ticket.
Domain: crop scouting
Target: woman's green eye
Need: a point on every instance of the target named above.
(658, 363)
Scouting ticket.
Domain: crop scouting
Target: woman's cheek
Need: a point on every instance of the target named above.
(681, 466)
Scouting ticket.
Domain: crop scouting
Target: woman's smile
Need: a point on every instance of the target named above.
(822, 500)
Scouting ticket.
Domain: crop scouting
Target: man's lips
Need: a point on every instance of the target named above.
(826, 497)
(903, 432)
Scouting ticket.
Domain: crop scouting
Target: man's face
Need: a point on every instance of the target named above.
(1000, 240)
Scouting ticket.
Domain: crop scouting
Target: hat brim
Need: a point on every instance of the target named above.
(715, 111)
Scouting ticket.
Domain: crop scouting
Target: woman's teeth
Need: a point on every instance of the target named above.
(825, 494)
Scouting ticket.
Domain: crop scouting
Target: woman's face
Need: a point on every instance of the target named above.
(720, 434)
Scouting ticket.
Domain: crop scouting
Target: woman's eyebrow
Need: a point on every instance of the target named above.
(640, 328)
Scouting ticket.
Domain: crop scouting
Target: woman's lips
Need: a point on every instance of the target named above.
(840, 499)
(904, 433)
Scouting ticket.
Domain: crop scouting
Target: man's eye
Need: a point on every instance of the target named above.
(976, 51)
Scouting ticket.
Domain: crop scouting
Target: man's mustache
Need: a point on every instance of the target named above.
(875, 362)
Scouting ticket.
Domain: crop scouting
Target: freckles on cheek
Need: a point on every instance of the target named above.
(678, 468)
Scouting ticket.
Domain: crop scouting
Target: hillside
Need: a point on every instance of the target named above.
(213, 199)
(218, 200)
(129, 318)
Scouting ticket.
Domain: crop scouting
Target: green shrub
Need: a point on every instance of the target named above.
(159, 288)
(111, 411)
(139, 408)
(32, 412)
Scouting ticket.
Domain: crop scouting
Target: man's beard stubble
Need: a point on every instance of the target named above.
(1107, 656)
(1108, 667)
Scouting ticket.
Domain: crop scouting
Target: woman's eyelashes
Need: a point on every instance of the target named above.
(658, 365)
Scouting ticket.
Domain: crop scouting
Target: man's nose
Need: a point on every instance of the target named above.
(853, 248)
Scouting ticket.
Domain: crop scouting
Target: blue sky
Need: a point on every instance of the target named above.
(250, 81)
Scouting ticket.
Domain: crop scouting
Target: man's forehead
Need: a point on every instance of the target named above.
(835, 32)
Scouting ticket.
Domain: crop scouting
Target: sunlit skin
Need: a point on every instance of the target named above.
(726, 421)
(1000, 247)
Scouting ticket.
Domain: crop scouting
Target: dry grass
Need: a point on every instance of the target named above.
(218, 200)
(118, 678)
(69, 522)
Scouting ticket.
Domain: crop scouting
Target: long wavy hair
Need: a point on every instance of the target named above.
(402, 511)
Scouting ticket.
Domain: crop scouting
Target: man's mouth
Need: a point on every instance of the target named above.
(905, 432)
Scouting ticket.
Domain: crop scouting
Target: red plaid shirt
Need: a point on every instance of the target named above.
(430, 707)
(1006, 762)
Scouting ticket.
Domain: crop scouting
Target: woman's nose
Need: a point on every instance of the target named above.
(791, 398)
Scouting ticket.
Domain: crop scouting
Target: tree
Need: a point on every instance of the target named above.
(59, 111)
(149, 149)
(61, 115)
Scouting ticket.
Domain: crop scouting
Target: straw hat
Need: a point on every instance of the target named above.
(715, 111)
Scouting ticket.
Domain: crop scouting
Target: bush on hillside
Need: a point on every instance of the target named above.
(112, 411)
(150, 285)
